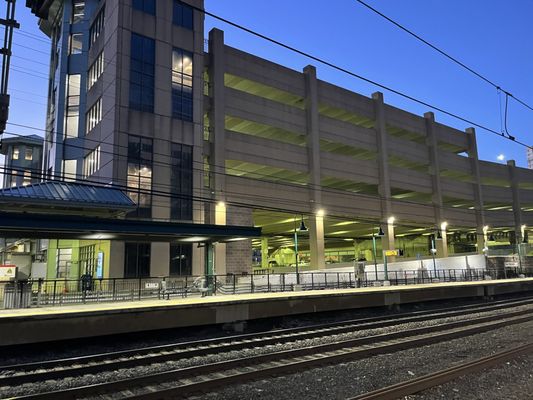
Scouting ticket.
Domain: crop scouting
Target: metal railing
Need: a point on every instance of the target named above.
(46, 293)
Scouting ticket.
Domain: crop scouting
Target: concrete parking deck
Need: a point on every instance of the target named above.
(34, 325)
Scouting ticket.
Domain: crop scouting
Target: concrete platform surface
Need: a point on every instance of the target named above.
(31, 325)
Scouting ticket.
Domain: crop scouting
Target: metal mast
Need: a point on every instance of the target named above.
(9, 23)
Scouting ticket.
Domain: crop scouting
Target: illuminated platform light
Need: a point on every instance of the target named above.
(391, 220)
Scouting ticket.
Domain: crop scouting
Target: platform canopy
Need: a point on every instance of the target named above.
(68, 210)
(57, 226)
(66, 198)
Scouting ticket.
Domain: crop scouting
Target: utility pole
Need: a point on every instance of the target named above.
(9, 23)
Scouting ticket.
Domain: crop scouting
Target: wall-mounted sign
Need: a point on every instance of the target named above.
(8, 272)
(391, 253)
(100, 265)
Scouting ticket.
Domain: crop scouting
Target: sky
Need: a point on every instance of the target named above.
(490, 36)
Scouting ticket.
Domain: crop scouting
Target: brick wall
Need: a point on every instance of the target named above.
(239, 254)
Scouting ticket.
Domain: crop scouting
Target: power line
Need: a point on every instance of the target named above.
(164, 194)
(445, 54)
(266, 178)
(353, 74)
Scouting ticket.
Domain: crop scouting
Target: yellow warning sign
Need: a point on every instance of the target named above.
(391, 252)
(8, 272)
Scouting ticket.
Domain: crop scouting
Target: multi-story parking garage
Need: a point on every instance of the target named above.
(216, 135)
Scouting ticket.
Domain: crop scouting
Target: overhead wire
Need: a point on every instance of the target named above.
(348, 72)
(450, 57)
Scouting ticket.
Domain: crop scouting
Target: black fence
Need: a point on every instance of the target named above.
(43, 293)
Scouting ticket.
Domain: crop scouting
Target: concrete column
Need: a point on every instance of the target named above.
(316, 241)
(264, 252)
(220, 248)
(199, 207)
(388, 242)
(313, 132)
(434, 171)
(217, 113)
(517, 211)
(160, 259)
(384, 189)
(218, 142)
(478, 192)
(316, 222)
(442, 244)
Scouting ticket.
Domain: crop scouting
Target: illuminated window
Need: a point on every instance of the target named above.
(27, 178)
(15, 153)
(96, 27)
(91, 163)
(95, 70)
(64, 262)
(93, 116)
(28, 154)
(69, 170)
(78, 11)
(14, 178)
(182, 84)
(73, 106)
(140, 174)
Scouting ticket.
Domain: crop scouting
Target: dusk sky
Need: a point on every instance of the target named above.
(490, 36)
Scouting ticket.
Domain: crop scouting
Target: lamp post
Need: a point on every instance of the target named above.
(380, 233)
(302, 228)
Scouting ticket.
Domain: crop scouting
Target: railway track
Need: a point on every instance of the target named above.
(11, 375)
(443, 376)
(231, 371)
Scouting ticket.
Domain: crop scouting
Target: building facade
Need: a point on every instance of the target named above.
(217, 135)
(23, 160)
(530, 157)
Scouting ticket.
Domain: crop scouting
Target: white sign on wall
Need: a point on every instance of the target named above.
(8, 272)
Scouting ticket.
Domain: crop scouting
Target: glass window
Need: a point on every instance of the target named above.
(142, 72)
(147, 6)
(75, 43)
(15, 153)
(78, 11)
(140, 174)
(69, 170)
(88, 259)
(14, 178)
(28, 154)
(180, 259)
(93, 116)
(137, 260)
(91, 163)
(64, 262)
(181, 182)
(96, 27)
(182, 85)
(27, 178)
(182, 15)
(95, 70)
(72, 114)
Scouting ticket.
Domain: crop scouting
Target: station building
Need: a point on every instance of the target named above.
(195, 130)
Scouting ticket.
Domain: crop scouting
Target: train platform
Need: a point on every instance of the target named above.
(36, 325)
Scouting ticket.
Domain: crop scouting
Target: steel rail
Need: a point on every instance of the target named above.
(206, 377)
(443, 376)
(57, 369)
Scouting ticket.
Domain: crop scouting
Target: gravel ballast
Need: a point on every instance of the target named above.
(127, 373)
(353, 378)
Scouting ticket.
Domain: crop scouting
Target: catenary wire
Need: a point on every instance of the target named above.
(348, 72)
(445, 54)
